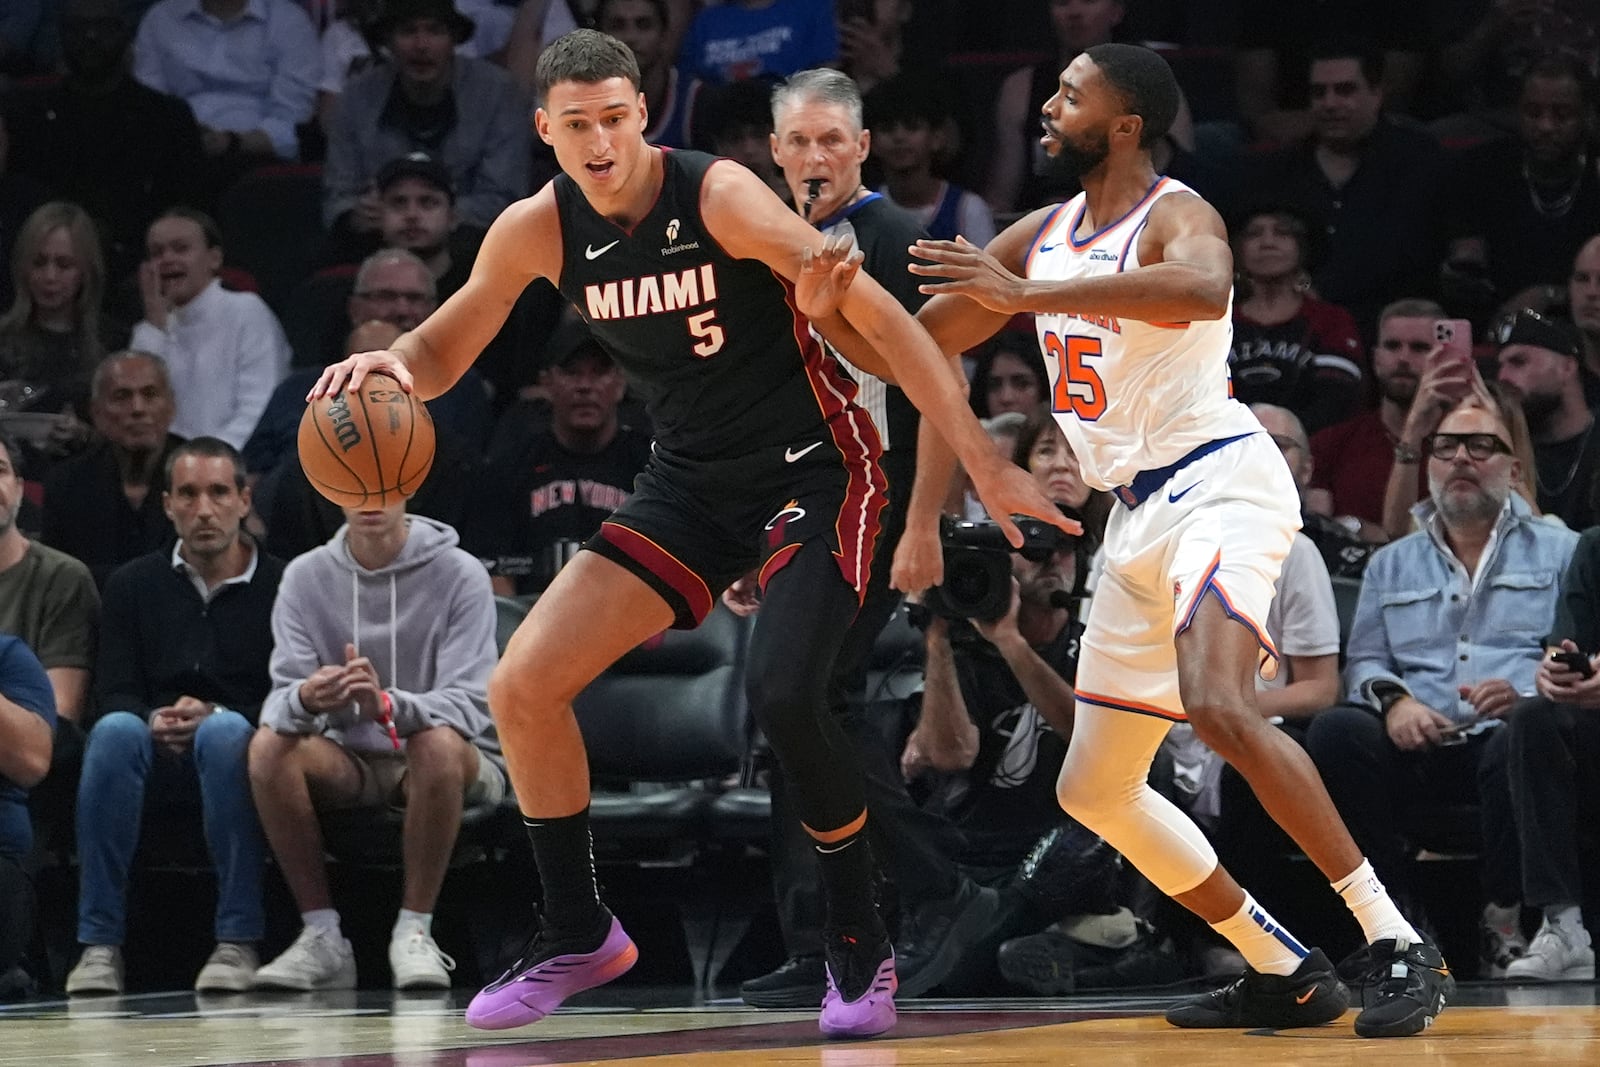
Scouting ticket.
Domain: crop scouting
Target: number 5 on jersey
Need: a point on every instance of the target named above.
(705, 326)
(1078, 386)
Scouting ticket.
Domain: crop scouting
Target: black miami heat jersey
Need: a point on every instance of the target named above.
(723, 359)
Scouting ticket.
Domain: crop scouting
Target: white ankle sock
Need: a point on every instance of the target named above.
(323, 920)
(1264, 944)
(409, 920)
(1372, 906)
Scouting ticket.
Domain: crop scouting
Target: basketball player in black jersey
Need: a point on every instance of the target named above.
(820, 142)
(700, 283)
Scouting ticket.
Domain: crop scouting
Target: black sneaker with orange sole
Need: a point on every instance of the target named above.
(1311, 996)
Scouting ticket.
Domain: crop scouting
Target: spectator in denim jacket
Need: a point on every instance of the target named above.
(1447, 635)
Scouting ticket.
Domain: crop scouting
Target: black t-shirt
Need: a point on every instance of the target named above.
(1567, 475)
(1007, 799)
(87, 514)
(714, 345)
(1533, 236)
(537, 502)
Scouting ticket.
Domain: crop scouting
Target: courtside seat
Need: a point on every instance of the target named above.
(1346, 593)
(365, 837)
(665, 727)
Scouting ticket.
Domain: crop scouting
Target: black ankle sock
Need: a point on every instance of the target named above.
(847, 882)
(564, 853)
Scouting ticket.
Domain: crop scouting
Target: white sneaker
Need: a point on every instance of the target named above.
(1557, 954)
(231, 969)
(315, 961)
(417, 962)
(98, 973)
(1500, 939)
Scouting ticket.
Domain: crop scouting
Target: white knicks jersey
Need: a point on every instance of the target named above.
(1131, 396)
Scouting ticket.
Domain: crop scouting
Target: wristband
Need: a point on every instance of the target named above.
(1405, 454)
(388, 719)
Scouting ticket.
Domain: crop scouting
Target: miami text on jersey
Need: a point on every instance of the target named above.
(652, 294)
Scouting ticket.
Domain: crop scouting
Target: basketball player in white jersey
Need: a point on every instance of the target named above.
(1131, 283)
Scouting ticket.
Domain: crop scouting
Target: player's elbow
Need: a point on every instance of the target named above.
(1208, 298)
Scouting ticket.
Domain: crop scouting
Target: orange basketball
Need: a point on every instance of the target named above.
(363, 449)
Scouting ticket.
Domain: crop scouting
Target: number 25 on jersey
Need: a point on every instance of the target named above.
(1078, 385)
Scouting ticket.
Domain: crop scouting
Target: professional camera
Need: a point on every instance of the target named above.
(977, 564)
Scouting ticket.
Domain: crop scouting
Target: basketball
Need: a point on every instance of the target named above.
(366, 448)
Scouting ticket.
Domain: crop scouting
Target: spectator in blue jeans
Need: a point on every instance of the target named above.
(185, 640)
(27, 723)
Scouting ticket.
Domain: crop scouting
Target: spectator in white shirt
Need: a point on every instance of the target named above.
(225, 351)
(248, 69)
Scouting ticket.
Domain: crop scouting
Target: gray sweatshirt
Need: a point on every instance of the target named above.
(426, 621)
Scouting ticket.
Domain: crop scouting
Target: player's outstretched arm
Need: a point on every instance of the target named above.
(1186, 276)
(956, 322)
(749, 222)
(524, 243)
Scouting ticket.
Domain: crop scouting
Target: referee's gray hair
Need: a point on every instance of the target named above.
(821, 85)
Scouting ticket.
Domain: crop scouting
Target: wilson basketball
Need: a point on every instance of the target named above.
(364, 449)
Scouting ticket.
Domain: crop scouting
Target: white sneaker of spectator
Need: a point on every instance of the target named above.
(417, 961)
(98, 973)
(317, 960)
(1558, 953)
(231, 969)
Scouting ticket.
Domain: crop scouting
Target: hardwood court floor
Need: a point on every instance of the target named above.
(1489, 1027)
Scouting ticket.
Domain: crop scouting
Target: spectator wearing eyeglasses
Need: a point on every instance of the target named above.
(393, 289)
(1448, 633)
(1541, 364)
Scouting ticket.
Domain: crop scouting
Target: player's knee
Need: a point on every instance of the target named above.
(1225, 729)
(515, 695)
(778, 692)
(1090, 800)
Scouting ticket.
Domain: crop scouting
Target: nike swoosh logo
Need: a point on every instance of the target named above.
(790, 455)
(595, 253)
(1306, 996)
(1173, 498)
(1050, 248)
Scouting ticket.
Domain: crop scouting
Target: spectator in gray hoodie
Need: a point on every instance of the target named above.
(384, 640)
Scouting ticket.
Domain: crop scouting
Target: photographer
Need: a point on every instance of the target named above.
(997, 699)
(997, 706)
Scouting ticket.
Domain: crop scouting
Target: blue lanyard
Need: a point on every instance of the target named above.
(846, 211)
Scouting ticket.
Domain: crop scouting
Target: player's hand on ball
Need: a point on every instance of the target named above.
(349, 372)
(1006, 490)
(826, 275)
(969, 271)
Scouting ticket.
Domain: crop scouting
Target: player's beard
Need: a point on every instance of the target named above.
(1074, 160)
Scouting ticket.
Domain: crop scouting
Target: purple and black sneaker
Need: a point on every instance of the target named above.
(547, 974)
(861, 985)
